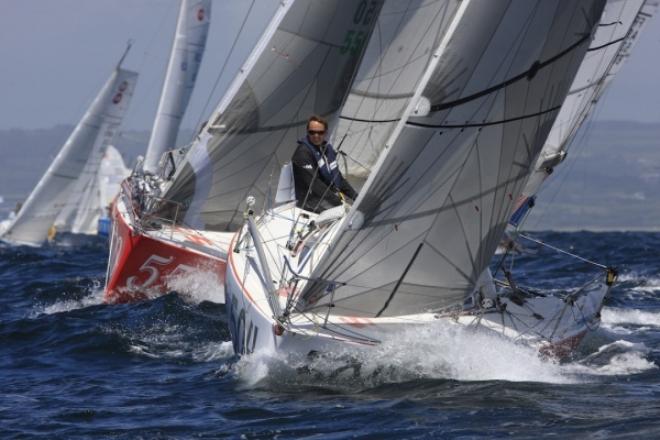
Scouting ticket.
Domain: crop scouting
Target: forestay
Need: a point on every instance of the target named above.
(405, 37)
(620, 24)
(304, 64)
(93, 133)
(186, 56)
(431, 214)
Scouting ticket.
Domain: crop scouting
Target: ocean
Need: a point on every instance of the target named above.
(74, 367)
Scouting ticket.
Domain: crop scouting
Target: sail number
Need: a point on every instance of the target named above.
(364, 15)
(149, 267)
(244, 338)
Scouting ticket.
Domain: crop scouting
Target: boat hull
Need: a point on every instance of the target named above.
(142, 264)
(547, 323)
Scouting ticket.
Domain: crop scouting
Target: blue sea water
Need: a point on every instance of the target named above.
(74, 367)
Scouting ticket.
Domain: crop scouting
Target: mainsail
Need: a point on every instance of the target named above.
(430, 216)
(620, 24)
(93, 134)
(303, 64)
(186, 56)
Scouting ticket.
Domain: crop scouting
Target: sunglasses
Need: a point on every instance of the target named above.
(315, 132)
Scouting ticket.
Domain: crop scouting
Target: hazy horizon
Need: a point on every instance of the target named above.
(56, 56)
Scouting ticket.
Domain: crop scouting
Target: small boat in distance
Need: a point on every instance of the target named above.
(74, 169)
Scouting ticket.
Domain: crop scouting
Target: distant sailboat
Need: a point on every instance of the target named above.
(415, 244)
(71, 169)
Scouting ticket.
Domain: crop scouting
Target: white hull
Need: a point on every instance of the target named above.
(546, 322)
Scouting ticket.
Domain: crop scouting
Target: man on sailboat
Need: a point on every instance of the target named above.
(319, 183)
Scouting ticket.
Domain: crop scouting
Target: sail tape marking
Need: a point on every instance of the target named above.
(398, 283)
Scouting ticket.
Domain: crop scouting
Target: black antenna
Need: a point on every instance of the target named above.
(129, 43)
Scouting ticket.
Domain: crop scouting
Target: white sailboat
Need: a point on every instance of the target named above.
(71, 169)
(145, 249)
(418, 240)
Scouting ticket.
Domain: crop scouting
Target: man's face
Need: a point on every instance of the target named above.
(316, 133)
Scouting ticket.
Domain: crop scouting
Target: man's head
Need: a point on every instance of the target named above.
(316, 129)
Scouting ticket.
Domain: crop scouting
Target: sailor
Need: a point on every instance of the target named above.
(319, 183)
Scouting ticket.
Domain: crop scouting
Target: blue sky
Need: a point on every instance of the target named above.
(56, 54)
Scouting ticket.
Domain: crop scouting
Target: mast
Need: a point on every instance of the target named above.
(184, 62)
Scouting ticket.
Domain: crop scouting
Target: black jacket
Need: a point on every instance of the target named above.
(317, 172)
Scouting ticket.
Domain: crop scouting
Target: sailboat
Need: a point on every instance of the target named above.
(73, 167)
(417, 242)
(146, 248)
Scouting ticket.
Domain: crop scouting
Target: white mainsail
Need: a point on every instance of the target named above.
(620, 24)
(303, 64)
(93, 134)
(430, 216)
(403, 41)
(185, 59)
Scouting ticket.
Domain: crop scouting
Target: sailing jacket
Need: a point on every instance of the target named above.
(315, 170)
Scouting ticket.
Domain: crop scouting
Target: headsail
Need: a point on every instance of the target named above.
(620, 24)
(99, 192)
(186, 56)
(431, 214)
(93, 133)
(304, 63)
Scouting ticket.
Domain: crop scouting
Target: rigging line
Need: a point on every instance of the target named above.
(485, 124)
(602, 266)
(224, 65)
(529, 74)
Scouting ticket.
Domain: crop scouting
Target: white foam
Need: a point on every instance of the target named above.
(164, 340)
(442, 351)
(94, 298)
(614, 359)
(613, 317)
(648, 284)
(197, 285)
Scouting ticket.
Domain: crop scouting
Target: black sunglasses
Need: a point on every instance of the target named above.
(313, 132)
